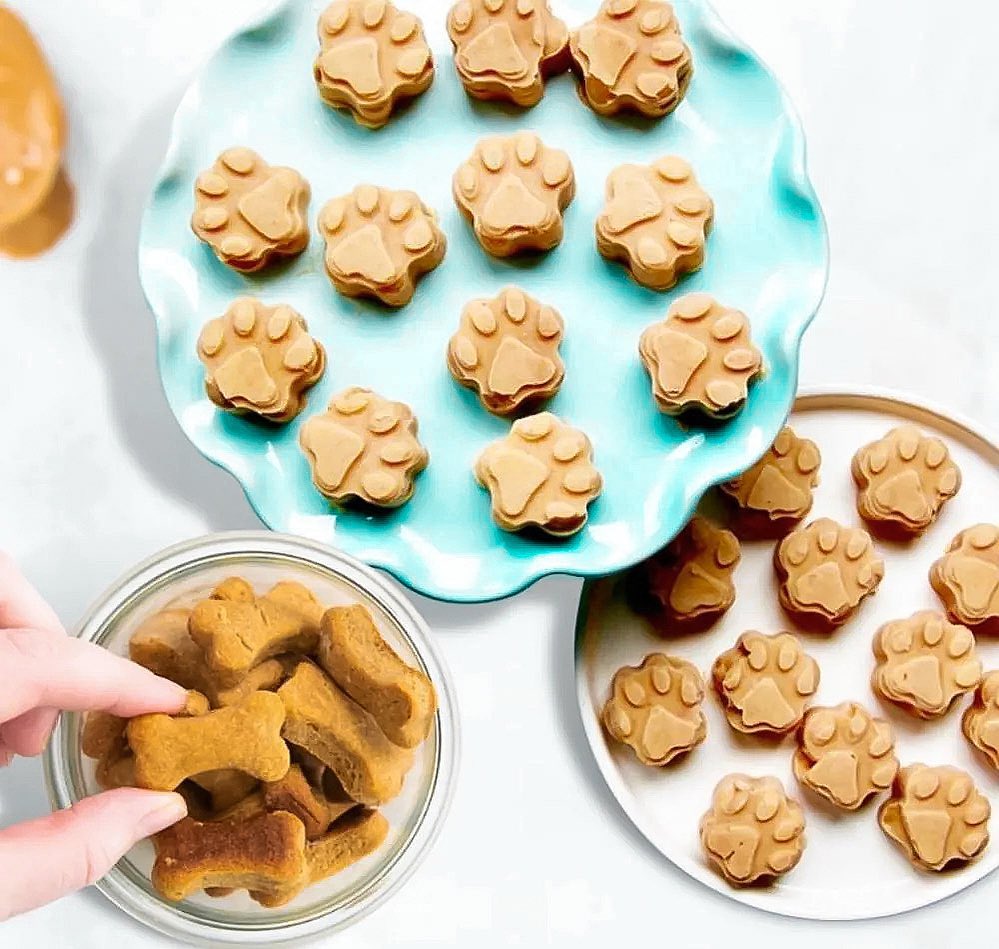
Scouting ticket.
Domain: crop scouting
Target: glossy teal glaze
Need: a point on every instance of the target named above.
(767, 255)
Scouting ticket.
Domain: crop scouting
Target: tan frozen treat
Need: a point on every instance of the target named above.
(980, 722)
(226, 788)
(356, 657)
(775, 494)
(513, 190)
(937, 816)
(765, 683)
(966, 578)
(631, 57)
(326, 722)
(250, 213)
(259, 360)
(379, 242)
(294, 794)
(701, 359)
(845, 754)
(655, 220)
(903, 481)
(246, 737)
(655, 708)
(540, 475)
(371, 57)
(504, 49)
(753, 832)
(824, 571)
(364, 448)
(688, 584)
(924, 663)
(507, 351)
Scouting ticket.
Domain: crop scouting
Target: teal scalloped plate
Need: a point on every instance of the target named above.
(767, 255)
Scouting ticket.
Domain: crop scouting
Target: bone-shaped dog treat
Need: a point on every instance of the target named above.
(294, 794)
(162, 645)
(226, 787)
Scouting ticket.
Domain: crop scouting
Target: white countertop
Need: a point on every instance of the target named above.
(901, 106)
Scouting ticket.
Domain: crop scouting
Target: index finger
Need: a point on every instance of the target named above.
(21, 605)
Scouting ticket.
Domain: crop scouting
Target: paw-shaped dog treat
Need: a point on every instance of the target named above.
(379, 242)
(937, 816)
(371, 57)
(540, 475)
(514, 189)
(924, 663)
(655, 708)
(506, 350)
(688, 584)
(631, 56)
(249, 212)
(504, 49)
(655, 220)
(770, 498)
(825, 570)
(754, 832)
(364, 448)
(845, 754)
(903, 481)
(701, 358)
(260, 360)
(765, 682)
(980, 722)
(966, 578)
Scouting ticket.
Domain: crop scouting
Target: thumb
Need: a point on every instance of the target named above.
(44, 859)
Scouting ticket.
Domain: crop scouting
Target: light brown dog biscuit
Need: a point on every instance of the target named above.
(379, 242)
(226, 788)
(775, 494)
(513, 189)
(980, 722)
(364, 448)
(266, 676)
(701, 359)
(655, 220)
(937, 816)
(753, 833)
(162, 644)
(250, 213)
(507, 351)
(845, 754)
(765, 683)
(966, 578)
(924, 663)
(101, 734)
(631, 57)
(372, 56)
(294, 794)
(824, 571)
(540, 475)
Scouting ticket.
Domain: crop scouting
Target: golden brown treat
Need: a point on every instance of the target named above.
(507, 351)
(701, 359)
(753, 833)
(356, 657)
(364, 448)
(924, 663)
(329, 724)
(765, 683)
(540, 475)
(249, 806)
(294, 794)
(903, 481)
(775, 494)
(379, 242)
(101, 733)
(655, 708)
(250, 213)
(226, 788)
(267, 677)
(655, 220)
(980, 722)
(937, 816)
(162, 644)
(845, 754)
(688, 584)
(246, 737)
(966, 578)
(504, 49)
(372, 56)
(260, 360)
(631, 57)
(513, 190)
(824, 571)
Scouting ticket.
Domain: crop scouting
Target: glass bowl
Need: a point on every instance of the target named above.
(178, 577)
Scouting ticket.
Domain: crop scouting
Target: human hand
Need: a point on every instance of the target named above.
(42, 672)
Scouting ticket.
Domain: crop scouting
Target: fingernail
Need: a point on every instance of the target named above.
(167, 809)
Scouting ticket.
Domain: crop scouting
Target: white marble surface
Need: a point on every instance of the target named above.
(901, 105)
